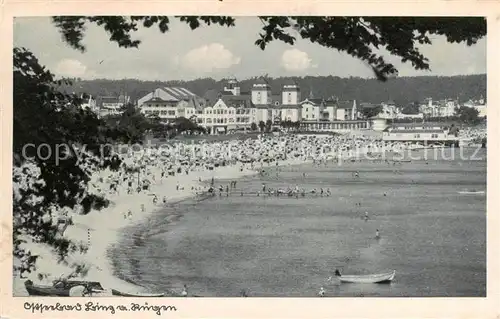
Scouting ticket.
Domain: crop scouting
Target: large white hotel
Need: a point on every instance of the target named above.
(231, 109)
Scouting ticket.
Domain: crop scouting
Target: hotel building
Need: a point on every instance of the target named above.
(231, 109)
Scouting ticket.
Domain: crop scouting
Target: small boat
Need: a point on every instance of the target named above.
(368, 279)
(61, 288)
(115, 292)
(471, 192)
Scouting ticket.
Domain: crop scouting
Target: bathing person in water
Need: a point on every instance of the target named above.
(184, 292)
(337, 273)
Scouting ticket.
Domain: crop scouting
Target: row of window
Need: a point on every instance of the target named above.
(230, 111)
(341, 126)
(208, 111)
(160, 113)
(346, 117)
(224, 120)
(432, 136)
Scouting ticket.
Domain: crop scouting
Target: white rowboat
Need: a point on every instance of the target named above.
(471, 192)
(368, 279)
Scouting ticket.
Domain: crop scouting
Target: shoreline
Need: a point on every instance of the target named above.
(219, 173)
(103, 229)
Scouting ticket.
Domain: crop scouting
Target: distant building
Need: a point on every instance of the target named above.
(389, 110)
(221, 111)
(312, 109)
(290, 98)
(426, 133)
(228, 112)
(331, 115)
(346, 111)
(231, 109)
(262, 100)
(479, 105)
(169, 103)
(441, 108)
(112, 105)
(88, 102)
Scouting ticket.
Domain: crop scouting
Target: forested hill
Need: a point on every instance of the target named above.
(402, 90)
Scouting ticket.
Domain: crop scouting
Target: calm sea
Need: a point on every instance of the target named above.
(434, 237)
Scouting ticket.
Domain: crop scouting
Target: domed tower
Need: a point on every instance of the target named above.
(290, 93)
(232, 86)
(261, 92)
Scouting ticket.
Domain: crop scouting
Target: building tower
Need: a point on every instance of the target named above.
(261, 92)
(290, 94)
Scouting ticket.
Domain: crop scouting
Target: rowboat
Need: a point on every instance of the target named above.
(61, 288)
(115, 292)
(368, 279)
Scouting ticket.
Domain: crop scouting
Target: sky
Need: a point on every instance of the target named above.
(219, 52)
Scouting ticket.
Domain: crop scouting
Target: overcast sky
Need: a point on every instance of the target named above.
(218, 52)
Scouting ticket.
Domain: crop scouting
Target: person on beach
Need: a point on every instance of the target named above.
(155, 199)
(366, 216)
(177, 186)
(321, 292)
(129, 214)
(377, 234)
(164, 199)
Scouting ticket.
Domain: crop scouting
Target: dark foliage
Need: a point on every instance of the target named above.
(45, 116)
(412, 108)
(360, 37)
(468, 115)
(369, 112)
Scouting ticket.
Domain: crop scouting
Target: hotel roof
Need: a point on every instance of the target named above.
(168, 94)
(237, 100)
(345, 104)
(416, 131)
